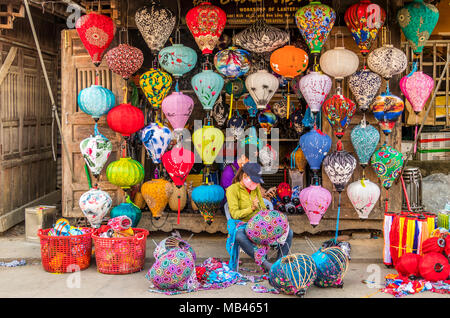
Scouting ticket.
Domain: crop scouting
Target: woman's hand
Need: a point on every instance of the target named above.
(272, 192)
(255, 204)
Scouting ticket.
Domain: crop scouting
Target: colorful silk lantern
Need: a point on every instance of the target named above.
(433, 245)
(364, 85)
(315, 87)
(128, 209)
(156, 193)
(315, 146)
(125, 119)
(96, 31)
(219, 112)
(408, 265)
(156, 138)
(262, 86)
(177, 107)
(155, 23)
(237, 125)
(173, 242)
(235, 86)
(208, 142)
(332, 265)
(96, 151)
(207, 86)
(297, 121)
(387, 61)
(96, 101)
(178, 199)
(156, 85)
(339, 111)
(280, 108)
(339, 166)
(177, 59)
(124, 60)
(339, 62)
(232, 62)
(208, 198)
(387, 108)
(434, 267)
(364, 20)
(315, 22)
(315, 200)
(206, 23)
(95, 204)
(417, 88)
(267, 119)
(289, 61)
(178, 163)
(364, 138)
(417, 20)
(363, 195)
(125, 173)
(387, 163)
(250, 104)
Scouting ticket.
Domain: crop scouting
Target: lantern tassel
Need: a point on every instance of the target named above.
(231, 103)
(386, 201)
(337, 221)
(288, 101)
(88, 176)
(179, 206)
(125, 90)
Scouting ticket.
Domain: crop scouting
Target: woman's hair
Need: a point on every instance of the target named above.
(238, 177)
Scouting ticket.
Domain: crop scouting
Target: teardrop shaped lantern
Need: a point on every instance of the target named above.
(96, 151)
(207, 86)
(387, 163)
(156, 85)
(363, 195)
(387, 61)
(315, 87)
(315, 200)
(364, 86)
(219, 112)
(250, 104)
(261, 85)
(339, 111)
(124, 60)
(339, 62)
(208, 198)
(95, 204)
(232, 62)
(96, 31)
(177, 107)
(417, 88)
(237, 125)
(267, 120)
(364, 138)
(206, 23)
(156, 193)
(177, 59)
(315, 146)
(364, 20)
(156, 138)
(289, 61)
(339, 166)
(208, 142)
(387, 108)
(96, 101)
(125, 173)
(155, 23)
(125, 119)
(417, 20)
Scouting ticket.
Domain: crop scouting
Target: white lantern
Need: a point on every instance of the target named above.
(363, 194)
(387, 61)
(262, 86)
(339, 62)
(94, 204)
(315, 87)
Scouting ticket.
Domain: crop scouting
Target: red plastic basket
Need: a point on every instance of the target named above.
(65, 254)
(120, 255)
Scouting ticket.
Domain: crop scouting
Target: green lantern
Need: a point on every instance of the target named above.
(417, 21)
(125, 173)
(387, 163)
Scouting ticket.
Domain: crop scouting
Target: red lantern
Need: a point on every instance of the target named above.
(433, 245)
(125, 119)
(124, 60)
(206, 23)
(434, 267)
(408, 265)
(284, 192)
(339, 111)
(447, 246)
(96, 31)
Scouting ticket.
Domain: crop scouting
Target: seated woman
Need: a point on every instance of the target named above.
(244, 201)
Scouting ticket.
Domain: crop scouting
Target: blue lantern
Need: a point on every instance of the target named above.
(364, 139)
(315, 145)
(207, 86)
(308, 120)
(331, 264)
(128, 209)
(208, 198)
(156, 138)
(177, 59)
(251, 106)
(96, 101)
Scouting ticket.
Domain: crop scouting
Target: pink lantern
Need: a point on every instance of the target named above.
(417, 89)
(177, 107)
(315, 87)
(315, 200)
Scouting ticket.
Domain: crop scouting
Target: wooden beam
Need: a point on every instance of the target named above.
(7, 63)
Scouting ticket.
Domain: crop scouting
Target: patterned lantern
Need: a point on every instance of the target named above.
(125, 119)
(364, 85)
(156, 85)
(171, 243)
(417, 20)
(267, 227)
(267, 156)
(177, 107)
(339, 166)
(332, 265)
(417, 87)
(232, 62)
(208, 198)
(208, 142)
(207, 86)
(315, 22)
(364, 19)
(363, 195)
(156, 193)
(96, 101)
(387, 163)
(155, 23)
(250, 105)
(219, 112)
(284, 192)
(297, 121)
(125, 173)
(235, 86)
(178, 163)
(237, 125)
(206, 23)
(387, 61)
(95, 204)
(156, 138)
(387, 108)
(262, 86)
(261, 37)
(280, 108)
(267, 119)
(124, 60)
(315, 145)
(96, 150)
(339, 111)
(177, 59)
(315, 200)
(364, 139)
(315, 87)
(128, 209)
(96, 31)
(339, 62)
(289, 61)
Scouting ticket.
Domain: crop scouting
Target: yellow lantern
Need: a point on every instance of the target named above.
(156, 193)
(125, 173)
(208, 142)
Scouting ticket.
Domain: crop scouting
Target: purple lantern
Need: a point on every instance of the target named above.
(315, 145)
(339, 166)
(315, 87)
(177, 107)
(315, 200)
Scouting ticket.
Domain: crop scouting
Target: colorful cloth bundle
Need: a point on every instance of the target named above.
(399, 287)
(117, 227)
(62, 227)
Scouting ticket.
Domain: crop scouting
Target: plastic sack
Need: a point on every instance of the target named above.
(435, 192)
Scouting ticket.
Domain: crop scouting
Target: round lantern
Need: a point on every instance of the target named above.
(315, 87)
(208, 142)
(387, 61)
(232, 62)
(433, 245)
(178, 163)
(207, 86)
(96, 101)
(156, 85)
(417, 20)
(315, 146)
(280, 108)
(125, 119)
(177, 59)
(237, 125)
(125, 173)
(363, 195)
(297, 121)
(364, 19)
(284, 192)
(315, 200)
(293, 274)
(434, 267)
(155, 23)
(250, 104)
(95, 204)
(339, 62)
(96, 31)
(235, 87)
(96, 151)
(124, 60)
(332, 265)
(128, 209)
(364, 138)
(339, 111)
(177, 107)
(156, 138)
(289, 61)
(206, 23)
(208, 198)
(408, 265)
(417, 87)
(339, 166)
(261, 37)
(267, 119)
(267, 227)
(267, 156)
(387, 163)
(387, 108)
(156, 193)
(262, 86)
(364, 85)
(171, 243)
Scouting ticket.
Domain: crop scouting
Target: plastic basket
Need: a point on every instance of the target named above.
(120, 255)
(65, 254)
